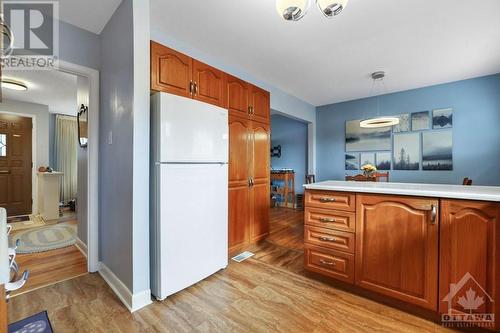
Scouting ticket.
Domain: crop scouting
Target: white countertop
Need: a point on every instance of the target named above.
(483, 193)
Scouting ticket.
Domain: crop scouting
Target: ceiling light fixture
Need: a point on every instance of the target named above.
(294, 10)
(378, 122)
(14, 85)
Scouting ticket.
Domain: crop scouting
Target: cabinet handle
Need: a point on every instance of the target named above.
(250, 182)
(4, 172)
(328, 263)
(433, 214)
(326, 199)
(195, 88)
(191, 87)
(326, 219)
(327, 239)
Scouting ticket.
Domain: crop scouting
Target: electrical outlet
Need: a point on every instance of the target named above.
(110, 138)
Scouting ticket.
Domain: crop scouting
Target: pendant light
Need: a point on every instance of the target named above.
(292, 10)
(331, 8)
(378, 122)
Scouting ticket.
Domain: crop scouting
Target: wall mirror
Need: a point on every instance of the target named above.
(83, 125)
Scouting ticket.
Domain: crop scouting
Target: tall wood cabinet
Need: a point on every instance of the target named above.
(249, 135)
(397, 247)
(469, 254)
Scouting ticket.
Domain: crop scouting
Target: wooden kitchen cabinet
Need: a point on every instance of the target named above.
(237, 96)
(469, 254)
(260, 138)
(397, 247)
(3, 310)
(171, 71)
(260, 104)
(249, 144)
(209, 84)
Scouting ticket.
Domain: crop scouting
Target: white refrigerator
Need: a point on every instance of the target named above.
(189, 181)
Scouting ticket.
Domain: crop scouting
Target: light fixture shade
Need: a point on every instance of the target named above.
(14, 85)
(331, 8)
(292, 10)
(379, 122)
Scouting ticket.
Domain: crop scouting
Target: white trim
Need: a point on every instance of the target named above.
(93, 161)
(81, 246)
(133, 302)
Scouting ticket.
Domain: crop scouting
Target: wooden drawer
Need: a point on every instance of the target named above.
(335, 264)
(333, 239)
(331, 200)
(330, 219)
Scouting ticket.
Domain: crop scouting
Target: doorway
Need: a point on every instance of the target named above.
(73, 216)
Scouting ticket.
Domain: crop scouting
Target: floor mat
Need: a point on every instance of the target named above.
(38, 323)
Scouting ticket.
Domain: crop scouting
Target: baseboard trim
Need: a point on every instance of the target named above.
(133, 302)
(81, 246)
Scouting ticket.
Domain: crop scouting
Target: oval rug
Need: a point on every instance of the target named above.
(45, 239)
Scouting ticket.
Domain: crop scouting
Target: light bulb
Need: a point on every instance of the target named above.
(331, 8)
(292, 10)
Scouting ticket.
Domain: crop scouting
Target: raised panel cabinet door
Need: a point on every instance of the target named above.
(171, 71)
(237, 96)
(239, 217)
(260, 103)
(469, 253)
(239, 151)
(209, 84)
(260, 174)
(397, 247)
(239, 196)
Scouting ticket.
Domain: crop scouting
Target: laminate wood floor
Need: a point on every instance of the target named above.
(261, 294)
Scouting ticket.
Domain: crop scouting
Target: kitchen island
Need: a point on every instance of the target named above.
(419, 245)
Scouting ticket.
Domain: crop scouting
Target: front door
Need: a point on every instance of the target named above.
(15, 164)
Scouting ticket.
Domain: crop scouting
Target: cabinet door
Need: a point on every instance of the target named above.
(260, 189)
(397, 247)
(260, 102)
(209, 84)
(467, 255)
(237, 96)
(171, 71)
(239, 197)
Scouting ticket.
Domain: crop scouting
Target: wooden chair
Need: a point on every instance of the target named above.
(383, 175)
(467, 181)
(360, 178)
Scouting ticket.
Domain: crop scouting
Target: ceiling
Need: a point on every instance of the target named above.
(91, 15)
(417, 43)
(53, 88)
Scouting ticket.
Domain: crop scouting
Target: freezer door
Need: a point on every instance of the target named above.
(192, 131)
(192, 234)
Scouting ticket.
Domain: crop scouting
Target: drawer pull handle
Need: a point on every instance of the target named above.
(326, 219)
(327, 239)
(327, 199)
(327, 263)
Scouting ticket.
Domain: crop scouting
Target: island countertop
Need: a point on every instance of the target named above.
(483, 193)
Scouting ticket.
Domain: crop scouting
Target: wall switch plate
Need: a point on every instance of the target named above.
(110, 138)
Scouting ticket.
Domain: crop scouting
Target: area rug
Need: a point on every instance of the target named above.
(38, 323)
(46, 238)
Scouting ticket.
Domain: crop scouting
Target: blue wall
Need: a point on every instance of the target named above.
(292, 136)
(476, 130)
